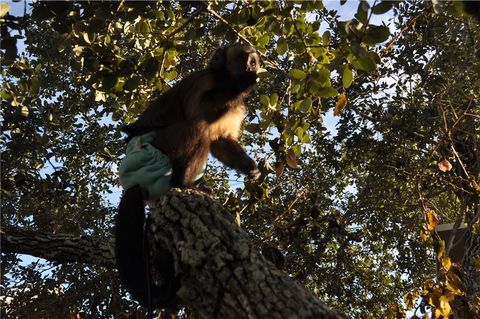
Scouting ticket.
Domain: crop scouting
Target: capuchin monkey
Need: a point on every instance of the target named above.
(202, 113)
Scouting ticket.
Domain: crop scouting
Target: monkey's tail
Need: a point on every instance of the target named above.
(130, 254)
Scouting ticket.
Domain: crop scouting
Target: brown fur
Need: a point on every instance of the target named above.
(204, 110)
(202, 113)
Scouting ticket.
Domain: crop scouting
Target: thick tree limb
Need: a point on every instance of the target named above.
(222, 275)
(58, 247)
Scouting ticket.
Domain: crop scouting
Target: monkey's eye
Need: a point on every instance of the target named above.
(253, 63)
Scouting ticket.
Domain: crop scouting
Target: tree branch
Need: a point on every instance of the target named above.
(58, 247)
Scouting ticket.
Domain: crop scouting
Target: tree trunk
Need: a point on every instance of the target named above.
(222, 275)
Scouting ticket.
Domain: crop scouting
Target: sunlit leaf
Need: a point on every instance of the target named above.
(100, 96)
(432, 220)
(89, 38)
(274, 99)
(444, 165)
(78, 50)
(454, 284)
(347, 77)
(446, 263)
(410, 298)
(444, 306)
(440, 249)
(4, 8)
(340, 105)
(24, 111)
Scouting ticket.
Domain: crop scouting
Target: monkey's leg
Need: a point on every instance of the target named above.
(229, 152)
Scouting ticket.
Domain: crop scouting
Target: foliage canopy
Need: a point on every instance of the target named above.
(349, 211)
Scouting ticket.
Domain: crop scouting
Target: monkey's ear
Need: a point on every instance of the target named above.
(217, 62)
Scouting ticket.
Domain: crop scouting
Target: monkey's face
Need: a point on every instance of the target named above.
(243, 63)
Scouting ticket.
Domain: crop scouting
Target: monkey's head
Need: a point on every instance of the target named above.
(237, 62)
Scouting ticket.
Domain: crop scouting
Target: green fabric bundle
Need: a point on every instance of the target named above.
(146, 166)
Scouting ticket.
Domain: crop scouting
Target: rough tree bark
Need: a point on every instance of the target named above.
(222, 275)
(58, 247)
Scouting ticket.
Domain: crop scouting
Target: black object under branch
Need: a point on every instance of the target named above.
(131, 258)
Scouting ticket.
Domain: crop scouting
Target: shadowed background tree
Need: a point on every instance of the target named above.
(348, 211)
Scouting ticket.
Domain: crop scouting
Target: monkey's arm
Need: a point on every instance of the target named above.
(229, 152)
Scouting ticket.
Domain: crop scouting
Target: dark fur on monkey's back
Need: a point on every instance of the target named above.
(202, 113)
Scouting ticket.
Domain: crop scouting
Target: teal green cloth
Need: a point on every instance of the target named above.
(146, 166)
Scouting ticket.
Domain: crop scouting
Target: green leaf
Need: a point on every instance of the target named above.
(364, 63)
(297, 74)
(362, 12)
(131, 84)
(295, 88)
(374, 56)
(150, 68)
(282, 46)
(264, 100)
(109, 81)
(323, 75)
(306, 105)
(10, 46)
(347, 77)
(274, 99)
(34, 85)
(327, 92)
(263, 40)
(5, 95)
(169, 76)
(382, 7)
(376, 34)
(145, 28)
(326, 37)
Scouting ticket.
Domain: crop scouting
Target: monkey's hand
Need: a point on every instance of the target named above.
(254, 174)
